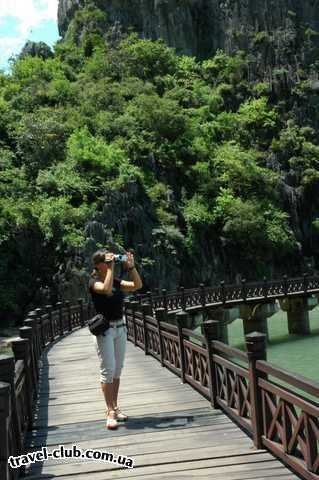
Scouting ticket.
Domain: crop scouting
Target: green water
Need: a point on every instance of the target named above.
(297, 353)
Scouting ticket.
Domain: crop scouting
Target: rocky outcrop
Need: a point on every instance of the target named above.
(199, 27)
(36, 49)
(182, 24)
(128, 218)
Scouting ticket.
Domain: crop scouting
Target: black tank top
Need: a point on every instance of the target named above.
(111, 306)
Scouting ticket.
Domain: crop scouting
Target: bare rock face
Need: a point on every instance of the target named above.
(180, 23)
(199, 27)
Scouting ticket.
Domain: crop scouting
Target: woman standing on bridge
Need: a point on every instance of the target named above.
(107, 293)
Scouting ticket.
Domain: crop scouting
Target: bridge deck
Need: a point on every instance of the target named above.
(172, 431)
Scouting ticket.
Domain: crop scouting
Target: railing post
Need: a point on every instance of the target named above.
(126, 304)
(223, 292)
(32, 323)
(305, 282)
(265, 287)
(59, 306)
(87, 311)
(7, 373)
(27, 333)
(80, 301)
(256, 350)
(164, 293)
(91, 308)
(202, 295)
(68, 306)
(146, 310)
(49, 309)
(21, 350)
(133, 306)
(5, 414)
(211, 332)
(160, 315)
(285, 284)
(181, 320)
(244, 289)
(37, 336)
(40, 323)
(150, 298)
(183, 302)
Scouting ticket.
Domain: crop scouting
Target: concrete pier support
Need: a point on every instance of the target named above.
(255, 317)
(297, 315)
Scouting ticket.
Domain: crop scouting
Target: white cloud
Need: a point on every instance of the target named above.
(9, 46)
(28, 13)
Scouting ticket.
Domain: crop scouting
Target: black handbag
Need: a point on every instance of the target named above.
(98, 324)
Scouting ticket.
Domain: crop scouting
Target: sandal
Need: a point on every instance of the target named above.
(111, 422)
(120, 416)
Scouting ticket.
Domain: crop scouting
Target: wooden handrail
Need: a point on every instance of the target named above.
(295, 379)
(228, 350)
(231, 294)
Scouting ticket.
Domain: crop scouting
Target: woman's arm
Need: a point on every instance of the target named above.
(136, 283)
(106, 286)
(108, 282)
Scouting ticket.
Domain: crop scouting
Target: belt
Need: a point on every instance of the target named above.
(114, 323)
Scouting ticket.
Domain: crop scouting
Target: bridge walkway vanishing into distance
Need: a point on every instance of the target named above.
(180, 425)
(172, 431)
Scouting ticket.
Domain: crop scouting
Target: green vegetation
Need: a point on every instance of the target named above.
(100, 114)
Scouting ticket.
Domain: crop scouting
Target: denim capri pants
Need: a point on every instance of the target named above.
(111, 351)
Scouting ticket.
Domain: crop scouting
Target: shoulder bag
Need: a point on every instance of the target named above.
(98, 324)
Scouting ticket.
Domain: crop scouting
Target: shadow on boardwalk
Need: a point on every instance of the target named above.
(172, 431)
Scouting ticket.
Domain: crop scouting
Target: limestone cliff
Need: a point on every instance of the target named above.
(199, 27)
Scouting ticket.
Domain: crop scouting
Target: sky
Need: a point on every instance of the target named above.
(22, 20)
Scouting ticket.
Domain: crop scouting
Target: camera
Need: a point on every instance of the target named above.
(120, 258)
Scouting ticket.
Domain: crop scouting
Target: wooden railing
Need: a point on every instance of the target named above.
(196, 298)
(244, 385)
(19, 375)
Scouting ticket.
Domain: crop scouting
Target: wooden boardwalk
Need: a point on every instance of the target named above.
(172, 432)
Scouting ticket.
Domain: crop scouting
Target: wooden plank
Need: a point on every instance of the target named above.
(78, 431)
(158, 459)
(86, 396)
(146, 448)
(136, 384)
(98, 403)
(60, 387)
(64, 419)
(181, 470)
(225, 474)
(162, 436)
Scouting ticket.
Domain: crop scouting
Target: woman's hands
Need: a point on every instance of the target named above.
(109, 260)
(130, 260)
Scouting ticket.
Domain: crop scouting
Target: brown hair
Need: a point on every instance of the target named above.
(97, 257)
